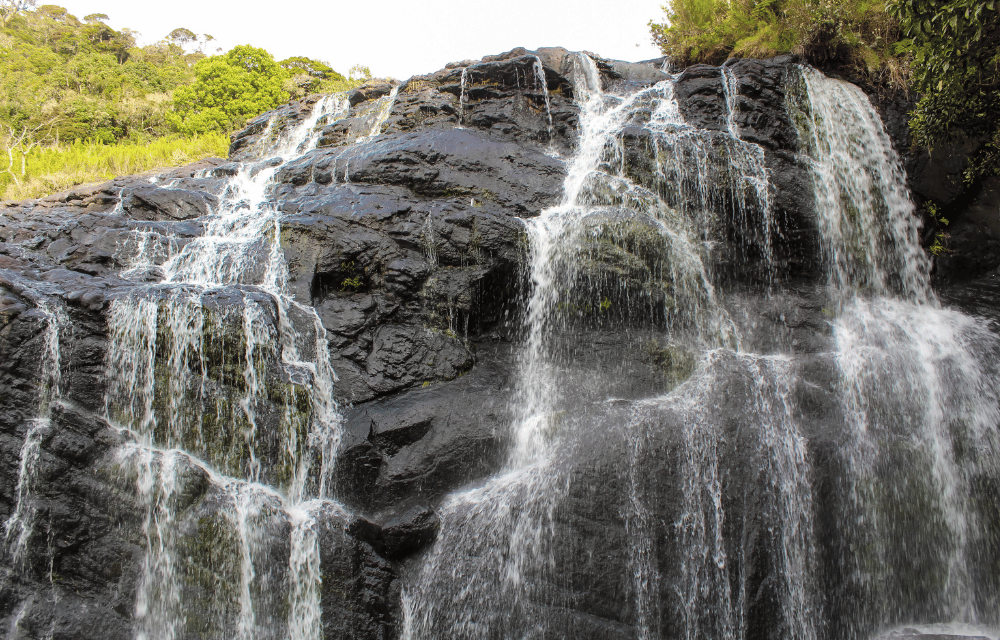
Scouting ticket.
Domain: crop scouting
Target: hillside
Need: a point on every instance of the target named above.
(81, 102)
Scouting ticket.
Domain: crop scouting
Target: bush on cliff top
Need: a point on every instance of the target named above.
(949, 51)
(228, 90)
(859, 33)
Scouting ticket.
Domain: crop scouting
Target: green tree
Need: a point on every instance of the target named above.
(311, 76)
(956, 66)
(228, 90)
(10, 8)
(182, 36)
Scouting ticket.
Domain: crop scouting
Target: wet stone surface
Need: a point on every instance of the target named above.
(412, 249)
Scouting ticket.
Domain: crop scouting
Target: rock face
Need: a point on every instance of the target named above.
(404, 231)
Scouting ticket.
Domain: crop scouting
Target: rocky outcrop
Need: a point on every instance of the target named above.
(408, 240)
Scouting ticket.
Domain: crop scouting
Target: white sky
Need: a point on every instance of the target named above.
(395, 38)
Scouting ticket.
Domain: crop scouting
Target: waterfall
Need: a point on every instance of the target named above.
(711, 595)
(20, 525)
(920, 391)
(866, 217)
(678, 462)
(485, 576)
(461, 96)
(215, 371)
(917, 386)
(381, 113)
(541, 80)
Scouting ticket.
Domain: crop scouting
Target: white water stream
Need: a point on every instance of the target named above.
(920, 389)
(918, 386)
(484, 577)
(20, 525)
(216, 362)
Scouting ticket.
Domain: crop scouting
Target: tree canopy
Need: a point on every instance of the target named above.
(85, 79)
(63, 80)
(228, 89)
(10, 8)
(66, 79)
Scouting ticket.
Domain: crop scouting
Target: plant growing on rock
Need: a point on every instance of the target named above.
(956, 51)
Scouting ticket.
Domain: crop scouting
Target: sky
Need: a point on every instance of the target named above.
(394, 38)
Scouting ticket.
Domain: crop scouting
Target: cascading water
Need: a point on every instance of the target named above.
(711, 593)
(484, 576)
(20, 525)
(920, 390)
(541, 80)
(833, 490)
(744, 542)
(461, 96)
(214, 367)
(866, 217)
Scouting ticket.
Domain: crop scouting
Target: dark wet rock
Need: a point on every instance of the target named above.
(971, 240)
(449, 163)
(410, 248)
(369, 91)
(400, 283)
(504, 95)
(153, 203)
(361, 589)
(429, 440)
(759, 101)
(398, 532)
(701, 97)
(78, 578)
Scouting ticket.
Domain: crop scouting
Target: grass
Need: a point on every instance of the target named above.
(46, 170)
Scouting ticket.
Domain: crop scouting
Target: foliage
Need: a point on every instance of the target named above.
(10, 8)
(228, 90)
(65, 80)
(859, 33)
(360, 72)
(956, 66)
(43, 170)
(87, 79)
(948, 50)
(939, 244)
(313, 76)
(308, 66)
(94, 83)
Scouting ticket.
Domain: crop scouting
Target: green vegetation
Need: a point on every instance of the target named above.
(948, 51)
(860, 33)
(53, 168)
(955, 47)
(227, 91)
(70, 86)
(940, 243)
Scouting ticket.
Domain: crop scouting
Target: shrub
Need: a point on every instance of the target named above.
(860, 33)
